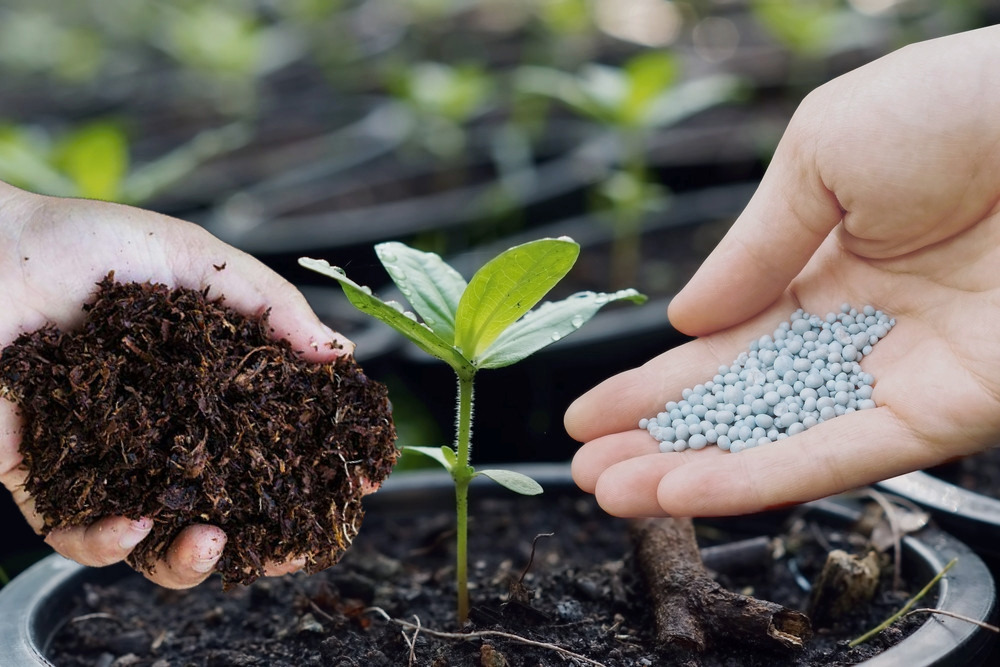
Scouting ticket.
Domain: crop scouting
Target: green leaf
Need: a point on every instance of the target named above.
(24, 163)
(507, 287)
(420, 334)
(431, 286)
(807, 26)
(551, 83)
(151, 178)
(515, 481)
(649, 75)
(95, 157)
(601, 92)
(455, 93)
(691, 97)
(444, 455)
(548, 324)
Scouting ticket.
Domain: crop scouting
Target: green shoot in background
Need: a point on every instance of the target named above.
(93, 160)
(485, 323)
(645, 94)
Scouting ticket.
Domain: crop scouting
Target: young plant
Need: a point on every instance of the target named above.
(441, 100)
(93, 160)
(484, 323)
(632, 101)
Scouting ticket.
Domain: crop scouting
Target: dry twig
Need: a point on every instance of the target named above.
(691, 609)
(961, 617)
(482, 634)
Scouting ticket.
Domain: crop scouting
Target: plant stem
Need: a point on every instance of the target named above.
(906, 607)
(463, 474)
(628, 216)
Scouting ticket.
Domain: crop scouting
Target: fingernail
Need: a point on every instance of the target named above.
(135, 533)
(203, 565)
(339, 339)
(207, 558)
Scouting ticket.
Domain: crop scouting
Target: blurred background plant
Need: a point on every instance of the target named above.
(92, 160)
(632, 101)
(169, 69)
(321, 127)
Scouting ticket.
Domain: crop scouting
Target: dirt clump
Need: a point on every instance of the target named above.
(171, 406)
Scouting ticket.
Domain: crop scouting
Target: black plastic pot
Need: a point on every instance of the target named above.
(970, 516)
(476, 197)
(399, 196)
(34, 605)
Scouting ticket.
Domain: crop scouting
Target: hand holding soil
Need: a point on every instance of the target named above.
(883, 191)
(53, 252)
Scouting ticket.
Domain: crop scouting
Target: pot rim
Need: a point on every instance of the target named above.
(31, 604)
(944, 497)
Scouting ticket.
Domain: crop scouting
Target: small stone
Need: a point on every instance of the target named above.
(490, 657)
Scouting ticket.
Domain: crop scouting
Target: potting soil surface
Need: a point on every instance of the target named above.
(585, 597)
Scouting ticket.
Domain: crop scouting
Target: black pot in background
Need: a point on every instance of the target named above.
(34, 605)
(970, 516)
(454, 206)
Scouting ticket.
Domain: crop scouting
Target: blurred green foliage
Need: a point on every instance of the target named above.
(130, 101)
(92, 160)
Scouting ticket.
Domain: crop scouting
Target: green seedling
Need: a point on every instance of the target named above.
(441, 100)
(73, 52)
(485, 323)
(92, 160)
(644, 94)
(807, 28)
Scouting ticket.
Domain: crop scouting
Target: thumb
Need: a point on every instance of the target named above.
(251, 288)
(781, 227)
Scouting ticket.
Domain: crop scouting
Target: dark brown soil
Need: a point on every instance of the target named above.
(167, 406)
(586, 597)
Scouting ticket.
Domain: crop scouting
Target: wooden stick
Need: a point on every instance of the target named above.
(691, 609)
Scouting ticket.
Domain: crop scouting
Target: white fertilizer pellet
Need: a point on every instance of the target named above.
(807, 372)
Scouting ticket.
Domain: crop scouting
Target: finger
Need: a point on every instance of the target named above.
(784, 223)
(288, 567)
(252, 288)
(182, 254)
(191, 557)
(617, 404)
(630, 488)
(12, 472)
(102, 543)
(838, 455)
(594, 457)
(11, 426)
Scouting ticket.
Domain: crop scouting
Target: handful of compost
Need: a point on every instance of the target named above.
(169, 406)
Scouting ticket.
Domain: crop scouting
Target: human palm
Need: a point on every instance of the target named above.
(52, 254)
(937, 387)
(883, 191)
